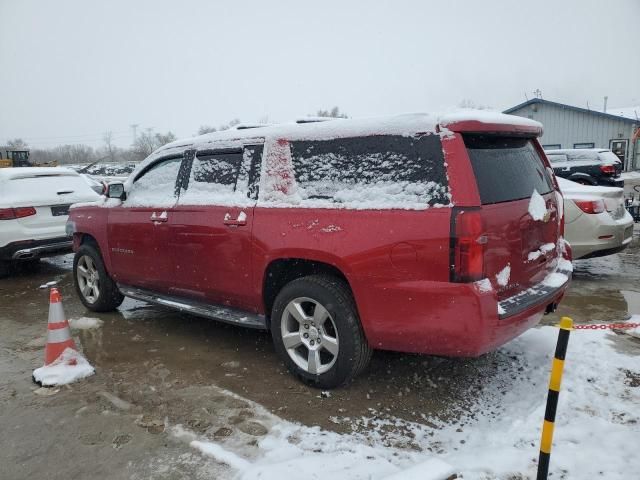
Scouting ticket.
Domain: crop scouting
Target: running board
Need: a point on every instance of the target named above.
(216, 312)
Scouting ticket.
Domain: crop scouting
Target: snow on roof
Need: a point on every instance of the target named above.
(627, 112)
(26, 172)
(405, 124)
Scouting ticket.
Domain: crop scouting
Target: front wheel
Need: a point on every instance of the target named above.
(317, 333)
(97, 291)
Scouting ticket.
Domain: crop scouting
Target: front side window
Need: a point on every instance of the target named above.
(156, 186)
(383, 171)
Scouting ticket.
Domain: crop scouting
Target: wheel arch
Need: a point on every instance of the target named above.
(575, 177)
(281, 271)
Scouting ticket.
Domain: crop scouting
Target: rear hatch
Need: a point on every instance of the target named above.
(520, 210)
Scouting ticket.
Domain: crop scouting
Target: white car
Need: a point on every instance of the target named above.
(34, 206)
(596, 221)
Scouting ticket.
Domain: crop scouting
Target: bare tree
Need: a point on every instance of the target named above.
(110, 148)
(229, 125)
(206, 129)
(148, 142)
(17, 144)
(333, 113)
(471, 104)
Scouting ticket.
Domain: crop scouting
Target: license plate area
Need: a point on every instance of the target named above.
(60, 210)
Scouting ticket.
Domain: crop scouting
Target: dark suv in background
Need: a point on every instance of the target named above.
(593, 166)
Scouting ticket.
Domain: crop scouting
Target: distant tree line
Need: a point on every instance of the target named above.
(146, 142)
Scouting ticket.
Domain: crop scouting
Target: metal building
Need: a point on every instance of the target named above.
(566, 126)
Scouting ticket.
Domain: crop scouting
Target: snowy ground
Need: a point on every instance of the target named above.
(175, 396)
(497, 438)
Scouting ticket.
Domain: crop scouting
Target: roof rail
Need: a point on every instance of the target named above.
(314, 119)
(246, 126)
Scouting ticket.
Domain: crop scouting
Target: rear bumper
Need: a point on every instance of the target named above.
(611, 182)
(591, 237)
(31, 249)
(448, 319)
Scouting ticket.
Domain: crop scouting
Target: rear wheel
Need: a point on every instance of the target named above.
(317, 333)
(97, 291)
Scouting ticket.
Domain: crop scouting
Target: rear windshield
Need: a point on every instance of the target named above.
(506, 168)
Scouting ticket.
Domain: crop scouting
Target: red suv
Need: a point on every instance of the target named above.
(411, 233)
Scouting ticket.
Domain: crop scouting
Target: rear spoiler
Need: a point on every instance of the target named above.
(526, 127)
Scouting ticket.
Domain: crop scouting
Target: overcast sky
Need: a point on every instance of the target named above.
(71, 70)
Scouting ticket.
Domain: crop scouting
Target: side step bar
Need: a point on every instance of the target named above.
(216, 312)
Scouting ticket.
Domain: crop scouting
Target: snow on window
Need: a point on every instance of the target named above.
(213, 180)
(157, 186)
(384, 171)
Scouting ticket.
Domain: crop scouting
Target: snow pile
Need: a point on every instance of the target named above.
(537, 206)
(503, 276)
(69, 367)
(547, 247)
(85, 323)
(597, 425)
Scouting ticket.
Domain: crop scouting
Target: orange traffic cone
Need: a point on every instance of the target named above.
(58, 334)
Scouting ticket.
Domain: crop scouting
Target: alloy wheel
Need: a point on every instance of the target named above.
(309, 335)
(88, 279)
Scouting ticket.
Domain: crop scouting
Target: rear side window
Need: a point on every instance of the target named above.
(214, 179)
(506, 168)
(384, 171)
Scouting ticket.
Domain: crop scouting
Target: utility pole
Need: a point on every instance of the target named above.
(134, 128)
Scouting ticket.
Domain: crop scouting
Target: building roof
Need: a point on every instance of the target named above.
(622, 114)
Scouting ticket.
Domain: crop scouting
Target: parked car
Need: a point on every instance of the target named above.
(593, 166)
(108, 171)
(340, 237)
(34, 206)
(596, 220)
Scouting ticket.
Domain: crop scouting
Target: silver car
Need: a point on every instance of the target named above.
(596, 222)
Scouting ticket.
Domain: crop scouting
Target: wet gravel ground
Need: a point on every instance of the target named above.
(156, 367)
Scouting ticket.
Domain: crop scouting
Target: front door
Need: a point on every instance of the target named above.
(211, 227)
(620, 147)
(138, 229)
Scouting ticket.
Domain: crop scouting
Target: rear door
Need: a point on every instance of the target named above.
(519, 210)
(138, 231)
(212, 224)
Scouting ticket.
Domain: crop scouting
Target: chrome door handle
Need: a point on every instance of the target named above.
(235, 222)
(159, 218)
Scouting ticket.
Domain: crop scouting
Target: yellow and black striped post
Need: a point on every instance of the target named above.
(552, 398)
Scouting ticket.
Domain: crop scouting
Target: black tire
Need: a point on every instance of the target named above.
(109, 297)
(5, 268)
(334, 295)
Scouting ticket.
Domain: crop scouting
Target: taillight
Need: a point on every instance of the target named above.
(468, 244)
(608, 169)
(13, 213)
(590, 206)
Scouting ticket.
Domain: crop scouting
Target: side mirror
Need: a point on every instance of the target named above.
(116, 190)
